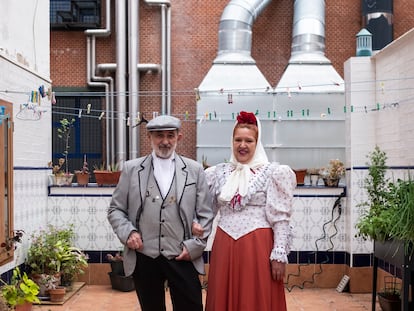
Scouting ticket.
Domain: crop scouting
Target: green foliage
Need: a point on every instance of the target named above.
(373, 224)
(391, 205)
(114, 167)
(63, 132)
(20, 290)
(52, 252)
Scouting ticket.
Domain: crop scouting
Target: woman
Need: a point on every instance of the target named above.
(250, 249)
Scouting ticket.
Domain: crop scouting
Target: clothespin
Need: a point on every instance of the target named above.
(230, 99)
(42, 91)
(197, 94)
(53, 101)
(101, 115)
(128, 121)
(88, 108)
(80, 113)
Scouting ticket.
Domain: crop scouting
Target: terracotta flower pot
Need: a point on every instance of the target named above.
(107, 177)
(82, 178)
(300, 176)
(27, 306)
(57, 294)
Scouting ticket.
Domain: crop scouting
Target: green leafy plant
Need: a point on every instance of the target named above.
(52, 252)
(374, 224)
(21, 289)
(63, 132)
(114, 167)
(390, 213)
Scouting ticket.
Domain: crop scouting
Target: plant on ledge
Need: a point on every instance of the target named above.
(332, 173)
(107, 175)
(61, 169)
(82, 175)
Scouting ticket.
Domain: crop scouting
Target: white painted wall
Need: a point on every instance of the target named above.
(24, 66)
(24, 33)
(384, 80)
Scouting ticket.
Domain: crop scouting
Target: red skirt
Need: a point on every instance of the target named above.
(240, 276)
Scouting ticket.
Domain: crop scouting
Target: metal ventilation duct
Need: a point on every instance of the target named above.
(233, 83)
(308, 67)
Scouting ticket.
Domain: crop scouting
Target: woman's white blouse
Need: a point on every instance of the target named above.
(267, 204)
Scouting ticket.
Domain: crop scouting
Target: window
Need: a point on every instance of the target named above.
(6, 182)
(86, 137)
(75, 14)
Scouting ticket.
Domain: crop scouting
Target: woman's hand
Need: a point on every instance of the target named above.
(278, 270)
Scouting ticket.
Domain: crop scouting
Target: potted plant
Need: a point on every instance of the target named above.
(82, 175)
(52, 256)
(300, 176)
(390, 297)
(117, 275)
(21, 292)
(332, 174)
(60, 171)
(388, 218)
(313, 176)
(107, 175)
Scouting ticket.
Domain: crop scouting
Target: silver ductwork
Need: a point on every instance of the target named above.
(235, 31)
(233, 83)
(311, 94)
(308, 69)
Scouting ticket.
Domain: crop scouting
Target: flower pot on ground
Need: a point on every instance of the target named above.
(46, 282)
(57, 294)
(52, 253)
(390, 297)
(21, 291)
(117, 275)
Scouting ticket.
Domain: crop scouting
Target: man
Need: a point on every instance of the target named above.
(152, 210)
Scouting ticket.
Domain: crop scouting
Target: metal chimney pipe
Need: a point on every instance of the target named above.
(235, 31)
(308, 35)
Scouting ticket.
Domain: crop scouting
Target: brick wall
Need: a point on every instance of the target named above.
(195, 43)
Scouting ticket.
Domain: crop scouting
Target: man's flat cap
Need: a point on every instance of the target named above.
(164, 123)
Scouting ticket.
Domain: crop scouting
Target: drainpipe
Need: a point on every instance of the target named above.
(235, 31)
(107, 81)
(133, 103)
(165, 53)
(120, 75)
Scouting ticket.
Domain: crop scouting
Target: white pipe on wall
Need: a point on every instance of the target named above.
(121, 54)
(165, 53)
(133, 55)
(107, 81)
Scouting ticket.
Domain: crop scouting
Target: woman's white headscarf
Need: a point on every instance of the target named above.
(238, 181)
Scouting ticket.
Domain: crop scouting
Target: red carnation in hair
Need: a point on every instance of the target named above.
(246, 117)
